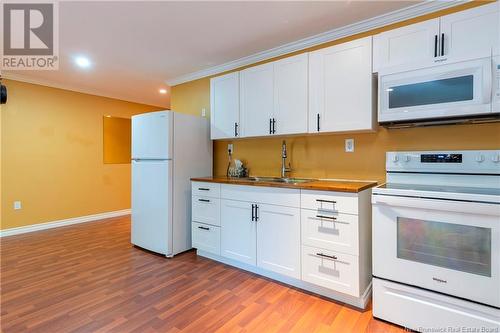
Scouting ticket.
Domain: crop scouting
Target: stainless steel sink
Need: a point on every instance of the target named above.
(279, 180)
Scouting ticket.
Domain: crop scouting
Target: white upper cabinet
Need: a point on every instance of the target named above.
(257, 100)
(274, 97)
(332, 89)
(410, 44)
(471, 33)
(465, 35)
(225, 106)
(290, 95)
(341, 88)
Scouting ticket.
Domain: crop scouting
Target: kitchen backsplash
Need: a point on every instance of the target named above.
(323, 156)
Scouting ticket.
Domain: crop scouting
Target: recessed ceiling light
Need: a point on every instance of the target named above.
(163, 91)
(82, 62)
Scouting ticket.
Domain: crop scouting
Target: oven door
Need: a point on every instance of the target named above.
(451, 90)
(443, 245)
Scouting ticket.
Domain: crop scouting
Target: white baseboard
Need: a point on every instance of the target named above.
(62, 223)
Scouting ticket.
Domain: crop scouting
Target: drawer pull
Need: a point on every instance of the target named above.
(203, 228)
(326, 217)
(203, 189)
(326, 256)
(326, 201)
(204, 200)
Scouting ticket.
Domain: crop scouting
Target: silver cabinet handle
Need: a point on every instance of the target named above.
(327, 256)
(326, 217)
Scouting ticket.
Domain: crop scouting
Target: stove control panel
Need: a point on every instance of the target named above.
(441, 158)
(462, 161)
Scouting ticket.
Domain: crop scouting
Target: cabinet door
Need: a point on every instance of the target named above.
(340, 88)
(290, 95)
(224, 106)
(403, 46)
(256, 104)
(278, 239)
(238, 231)
(471, 33)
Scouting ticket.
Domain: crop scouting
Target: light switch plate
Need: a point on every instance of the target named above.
(349, 145)
(203, 112)
(17, 205)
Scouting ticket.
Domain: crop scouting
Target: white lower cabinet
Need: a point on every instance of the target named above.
(315, 240)
(206, 237)
(238, 231)
(329, 269)
(278, 239)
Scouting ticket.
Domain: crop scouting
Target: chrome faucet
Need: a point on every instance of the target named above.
(284, 169)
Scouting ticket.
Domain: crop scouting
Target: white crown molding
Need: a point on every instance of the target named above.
(413, 11)
(88, 91)
(62, 223)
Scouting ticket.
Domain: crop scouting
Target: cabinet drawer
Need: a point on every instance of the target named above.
(330, 231)
(329, 269)
(206, 237)
(261, 194)
(329, 201)
(206, 210)
(206, 189)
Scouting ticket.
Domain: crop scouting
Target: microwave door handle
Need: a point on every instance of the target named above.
(489, 74)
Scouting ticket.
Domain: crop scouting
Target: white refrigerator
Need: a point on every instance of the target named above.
(168, 148)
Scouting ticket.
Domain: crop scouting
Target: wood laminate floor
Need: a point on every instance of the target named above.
(88, 278)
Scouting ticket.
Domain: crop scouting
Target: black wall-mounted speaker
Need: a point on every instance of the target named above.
(3, 94)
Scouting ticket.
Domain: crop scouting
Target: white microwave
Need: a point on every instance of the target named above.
(455, 90)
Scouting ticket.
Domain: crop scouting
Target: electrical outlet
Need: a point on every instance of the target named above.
(17, 205)
(349, 145)
(203, 112)
(230, 148)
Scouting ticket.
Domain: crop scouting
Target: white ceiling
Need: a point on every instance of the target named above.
(136, 47)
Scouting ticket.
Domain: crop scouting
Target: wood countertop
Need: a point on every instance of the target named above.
(320, 185)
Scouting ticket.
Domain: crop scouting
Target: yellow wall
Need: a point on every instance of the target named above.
(117, 140)
(52, 155)
(323, 155)
(191, 97)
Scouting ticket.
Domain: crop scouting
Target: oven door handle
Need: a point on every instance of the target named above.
(455, 206)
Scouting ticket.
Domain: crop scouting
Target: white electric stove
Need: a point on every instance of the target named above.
(436, 241)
